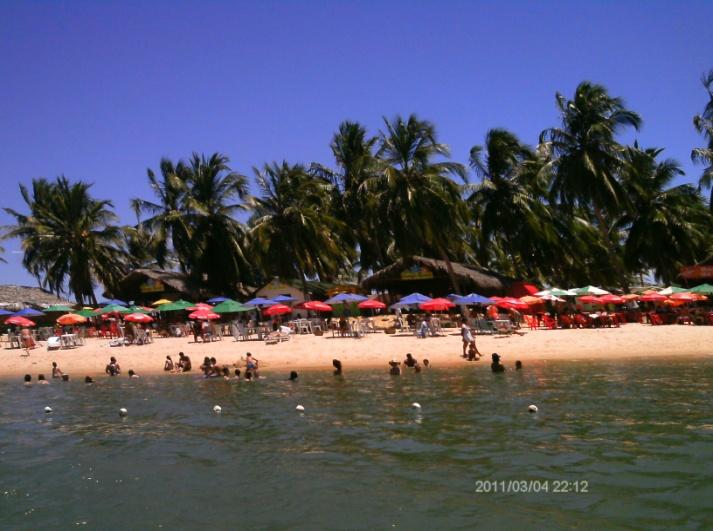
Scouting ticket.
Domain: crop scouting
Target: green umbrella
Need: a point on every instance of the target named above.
(138, 309)
(231, 306)
(703, 289)
(111, 308)
(175, 306)
(87, 313)
(671, 290)
(589, 290)
(557, 292)
(58, 308)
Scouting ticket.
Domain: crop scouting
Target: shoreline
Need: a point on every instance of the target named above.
(314, 353)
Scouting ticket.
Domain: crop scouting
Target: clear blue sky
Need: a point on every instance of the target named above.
(100, 91)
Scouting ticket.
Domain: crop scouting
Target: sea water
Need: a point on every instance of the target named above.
(623, 444)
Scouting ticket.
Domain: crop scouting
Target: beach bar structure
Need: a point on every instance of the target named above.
(147, 285)
(430, 276)
(699, 273)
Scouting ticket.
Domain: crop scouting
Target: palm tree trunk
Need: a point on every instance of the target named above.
(616, 263)
(449, 267)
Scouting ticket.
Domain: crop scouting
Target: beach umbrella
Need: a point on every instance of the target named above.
(671, 290)
(200, 306)
(139, 309)
(71, 319)
(371, 304)
(260, 301)
(674, 302)
(653, 297)
(58, 308)
(230, 306)
(138, 318)
(630, 297)
(512, 302)
(557, 292)
(530, 300)
(278, 309)
(112, 308)
(341, 298)
(688, 297)
(589, 290)
(472, 298)
(28, 312)
(283, 298)
(414, 298)
(612, 299)
(18, 320)
(436, 305)
(703, 289)
(160, 302)
(175, 306)
(317, 306)
(216, 300)
(589, 299)
(5, 312)
(118, 302)
(86, 312)
(204, 314)
(550, 297)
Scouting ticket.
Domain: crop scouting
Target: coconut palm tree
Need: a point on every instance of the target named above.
(418, 201)
(292, 234)
(666, 227)
(70, 240)
(704, 125)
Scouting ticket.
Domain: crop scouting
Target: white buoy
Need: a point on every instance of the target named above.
(416, 405)
(48, 409)
(300, 408)
(532, 408)
(217, 409)
(123, 412)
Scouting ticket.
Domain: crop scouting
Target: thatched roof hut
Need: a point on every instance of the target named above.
(147, 285)
(430, 276)
(17, 297)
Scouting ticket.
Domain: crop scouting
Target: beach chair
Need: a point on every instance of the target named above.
(530, 321)
(503, 327)
(548, 322)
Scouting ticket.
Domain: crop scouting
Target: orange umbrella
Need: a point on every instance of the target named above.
(69, 319)
(532, 301)
(630, 297)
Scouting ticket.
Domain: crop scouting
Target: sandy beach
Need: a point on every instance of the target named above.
(308, 352)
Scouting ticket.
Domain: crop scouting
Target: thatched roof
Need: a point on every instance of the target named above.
(471, 277)
(21, 296)
(173, 280)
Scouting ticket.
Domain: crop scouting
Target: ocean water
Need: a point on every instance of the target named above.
(623, 444)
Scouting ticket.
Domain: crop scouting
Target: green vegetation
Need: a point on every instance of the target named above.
(578, 208)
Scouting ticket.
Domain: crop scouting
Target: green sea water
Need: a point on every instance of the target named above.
(623, 444)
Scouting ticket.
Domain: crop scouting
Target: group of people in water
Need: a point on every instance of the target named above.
(410, 363)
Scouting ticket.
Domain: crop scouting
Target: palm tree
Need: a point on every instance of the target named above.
(704, 125)
(70, 240)
(292, 234)
(588, 157)
(666, 227)
(421, 205)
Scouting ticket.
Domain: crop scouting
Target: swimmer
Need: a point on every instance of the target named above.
(426, 363)
(248, 376)
(132, 374)
(293, 376)
(65, 377)
(395, 368)
(56, 371)
(237, 374)
(28, 380)
(410, 361)
(496, 366)
(41, 379)
(417, 367)
(113, 368)
(88, 380)
(518, 365)
(226, 373)
(337, 367)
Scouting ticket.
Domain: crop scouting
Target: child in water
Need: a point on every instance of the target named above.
(496, 366)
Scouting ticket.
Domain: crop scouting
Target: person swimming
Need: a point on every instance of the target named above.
(88, 380)
(132, 374)
(417, 367)
(237, 374)
(65, 377)
(410, 361)
(56, 371)
(41, 379)
(426, 363)
(395, 369)
(293, 376)
(518, 365)
(113, 368)
(496, 366)
(28, 380)
(337, 367)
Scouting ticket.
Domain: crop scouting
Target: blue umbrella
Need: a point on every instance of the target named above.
(114, 301)
(414, 298)
(259, 301)
(29, 312)
(216, 300)
(472, 298)
(345, 297)
(5, 312)
(283, 298)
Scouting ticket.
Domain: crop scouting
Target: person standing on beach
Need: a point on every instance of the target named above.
(466, 335)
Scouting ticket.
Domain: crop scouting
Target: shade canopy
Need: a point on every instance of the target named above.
(19, 320)
(138, 318)
(341, 298)
(284, 298)
(612, 299)
(414, 298)
(115, 301)
(71, 319)
(671, 290)
(557, 292)
(589, 290)
(531, 300)
(204, 315)
(653, 297)
(589, 299)
(472, 298)
(630, 297)
(28, 312)
(86, 312)
(200, 306)
(175, 306)
(58, 308)
(688, 297)
(112, 308)
(551, 297)
(216, 300)
(317, 306)
(230, 306)
(511, 303)
(371, 304)
(260, 301)
(139, 309)
(4, 312)
(436, 305)
(703, 289)
(160, 302)
(278, 309)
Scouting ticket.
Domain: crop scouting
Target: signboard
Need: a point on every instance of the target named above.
(341, 288)
(697, 271)
(152, 286)
(416, 272)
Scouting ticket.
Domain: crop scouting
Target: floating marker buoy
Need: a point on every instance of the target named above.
(48, 409)
(416, 405)
(300, 408)
(217, 409)
(532, 408)
(123, 412)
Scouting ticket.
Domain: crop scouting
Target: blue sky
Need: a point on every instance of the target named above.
(100, 91)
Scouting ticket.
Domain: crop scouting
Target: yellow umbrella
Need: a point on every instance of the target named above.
(160, 302)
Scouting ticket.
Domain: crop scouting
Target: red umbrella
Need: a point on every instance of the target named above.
(19, 321)
(511, 302)
(277, 309)
(203, 314)
(611, 299)
(653, 297)
(317, 306)
(371, 304)
(201, 306)
(590, 299)
(138, 318)
(688, 297)
(436, 305)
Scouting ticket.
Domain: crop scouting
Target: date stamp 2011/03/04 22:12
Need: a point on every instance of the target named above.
(527, 486)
